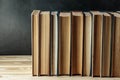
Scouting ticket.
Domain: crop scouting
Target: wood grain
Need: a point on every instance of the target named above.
(15, 63)
(16, 58)
(29, 77)
(11, 65)
(23, 73)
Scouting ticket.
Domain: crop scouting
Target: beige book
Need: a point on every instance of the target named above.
(115, 72)
(54, 54)
(35, 42)
(97, 43)
(106, 50)
(64, 43)
(77, 43)
(118, 11)
(44, 43)
(87, 44)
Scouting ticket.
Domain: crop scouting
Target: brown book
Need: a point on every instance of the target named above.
(87, 44)
(77, 43)
(35, 42)
(115, 72)
(64, 43)
(44, 64)
(106, 50)
(97, 43)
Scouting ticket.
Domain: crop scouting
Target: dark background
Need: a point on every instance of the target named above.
(15, 26)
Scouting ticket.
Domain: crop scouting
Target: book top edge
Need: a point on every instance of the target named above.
(115, 14)
(35, 12)
(64, 14)
(54, 13)
(96, 12)
(87, 14)
(106, 14)
(77, 13)
(45, 12)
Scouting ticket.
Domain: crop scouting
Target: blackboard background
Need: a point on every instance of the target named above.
(15, 26)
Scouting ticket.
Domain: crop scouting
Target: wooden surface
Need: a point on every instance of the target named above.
(24, 71)
(12, 65)
(29, 77)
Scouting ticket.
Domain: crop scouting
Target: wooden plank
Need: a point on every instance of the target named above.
(29, 77)
(25, 73)
(16, 58)
(15, 63)
(15, 70)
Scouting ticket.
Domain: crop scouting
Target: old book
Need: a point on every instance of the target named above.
(64, 43)
(118, 11)
(97, 43)
(44, 59)
(77, 43)
(54, 53)
(115, 72)
(87, 44)
(106, 50)
(35, 41)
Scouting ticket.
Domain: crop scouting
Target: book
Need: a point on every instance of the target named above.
(54, 53)
(115, 70)
(44, 65)
(35, 42)
(87, 44)
(97, 22)
(77, 43)
(118, 11)
(64, 43)
(106, 50)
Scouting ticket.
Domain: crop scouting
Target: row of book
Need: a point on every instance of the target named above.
(76, 43)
